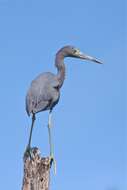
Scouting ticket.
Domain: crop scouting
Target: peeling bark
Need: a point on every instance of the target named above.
(36, 171)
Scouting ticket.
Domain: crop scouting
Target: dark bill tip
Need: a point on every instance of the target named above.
(97, 61)
(89, 58)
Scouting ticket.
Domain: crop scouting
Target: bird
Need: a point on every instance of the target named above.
(44, 91)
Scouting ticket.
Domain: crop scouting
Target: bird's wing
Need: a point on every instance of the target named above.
(48, 79)
(41, 93)
(37, 99)
(42, 105)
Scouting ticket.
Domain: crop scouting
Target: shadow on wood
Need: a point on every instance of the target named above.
(36, 171)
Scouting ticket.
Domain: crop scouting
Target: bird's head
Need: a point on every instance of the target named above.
(71, 51)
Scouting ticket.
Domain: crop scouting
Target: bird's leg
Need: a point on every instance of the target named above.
(52, 159)
(28, 149)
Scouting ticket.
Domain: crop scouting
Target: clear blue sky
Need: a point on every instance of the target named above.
(89, 121)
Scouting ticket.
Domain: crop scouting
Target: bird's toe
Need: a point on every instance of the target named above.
(53, 161)
(28, 152)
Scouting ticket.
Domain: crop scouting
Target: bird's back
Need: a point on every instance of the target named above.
(42, 92)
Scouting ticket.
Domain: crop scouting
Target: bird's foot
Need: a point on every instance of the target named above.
(28, 152)
(52, 161)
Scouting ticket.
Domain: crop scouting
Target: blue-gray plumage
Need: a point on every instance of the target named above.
(44, 92)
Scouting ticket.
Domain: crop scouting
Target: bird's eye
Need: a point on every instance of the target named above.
(76, 51)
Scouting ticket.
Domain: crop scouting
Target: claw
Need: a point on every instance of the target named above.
(53, 161)
(28, 152)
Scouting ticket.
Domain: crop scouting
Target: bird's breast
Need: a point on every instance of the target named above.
(55, 96)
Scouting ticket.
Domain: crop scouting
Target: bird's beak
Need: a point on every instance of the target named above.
(87, 57)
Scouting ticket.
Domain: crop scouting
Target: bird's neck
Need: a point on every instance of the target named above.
(59, 63)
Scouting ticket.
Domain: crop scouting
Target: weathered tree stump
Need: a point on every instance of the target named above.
(36, 171)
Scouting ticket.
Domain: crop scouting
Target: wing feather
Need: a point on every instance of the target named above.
(41, 93)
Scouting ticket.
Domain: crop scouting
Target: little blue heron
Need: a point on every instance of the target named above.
(44, 92)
